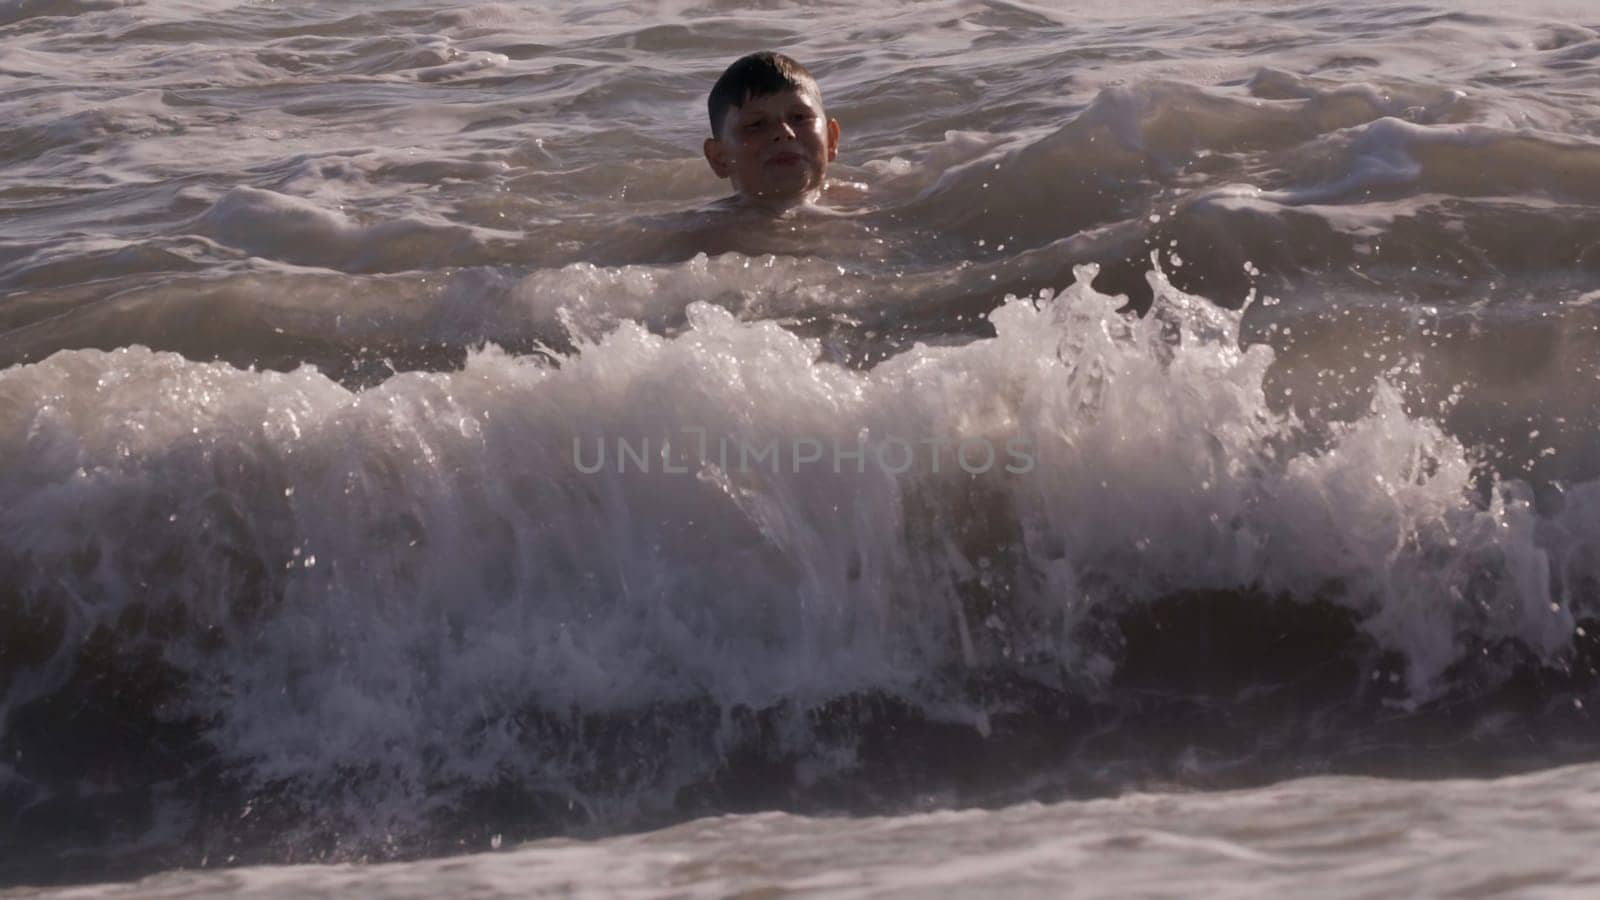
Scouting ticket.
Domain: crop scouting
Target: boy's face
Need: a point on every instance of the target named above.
(775, 148)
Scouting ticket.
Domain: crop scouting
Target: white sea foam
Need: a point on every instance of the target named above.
(365, 577)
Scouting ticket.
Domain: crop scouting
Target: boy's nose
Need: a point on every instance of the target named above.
(785, 130)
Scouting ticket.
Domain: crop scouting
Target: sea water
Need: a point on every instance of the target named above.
(1168, 464)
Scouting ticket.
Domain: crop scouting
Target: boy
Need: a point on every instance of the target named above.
(769, 135)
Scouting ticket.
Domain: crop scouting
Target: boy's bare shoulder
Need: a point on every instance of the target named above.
(834, 224)
(838, 199)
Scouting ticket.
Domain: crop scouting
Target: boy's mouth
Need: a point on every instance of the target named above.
(786, 158)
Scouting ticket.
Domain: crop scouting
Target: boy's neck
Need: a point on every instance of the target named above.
(779, 205)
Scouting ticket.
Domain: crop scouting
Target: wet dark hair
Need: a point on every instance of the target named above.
(757, 75)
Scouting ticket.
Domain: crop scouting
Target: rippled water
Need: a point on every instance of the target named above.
(308, 317)
(1326, 837)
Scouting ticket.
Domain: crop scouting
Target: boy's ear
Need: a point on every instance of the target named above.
(717, 156)
(833, 139)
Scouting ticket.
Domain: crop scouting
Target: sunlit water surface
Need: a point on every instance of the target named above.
(306, 308)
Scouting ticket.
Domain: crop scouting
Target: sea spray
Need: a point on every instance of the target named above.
(379, 595)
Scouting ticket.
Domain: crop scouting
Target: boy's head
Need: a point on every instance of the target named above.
(769, 134)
